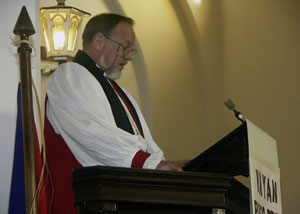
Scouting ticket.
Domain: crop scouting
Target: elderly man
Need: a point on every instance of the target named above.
(89, 119)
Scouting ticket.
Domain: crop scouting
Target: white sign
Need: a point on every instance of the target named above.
(264, 172)
(265, 189)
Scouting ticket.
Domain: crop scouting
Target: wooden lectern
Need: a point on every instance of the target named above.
(206, 185)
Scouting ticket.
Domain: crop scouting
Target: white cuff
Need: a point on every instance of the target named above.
(153, 160)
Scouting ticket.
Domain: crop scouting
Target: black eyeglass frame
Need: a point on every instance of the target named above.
(128, 51)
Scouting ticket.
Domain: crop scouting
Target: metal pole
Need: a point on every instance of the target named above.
(24, 29)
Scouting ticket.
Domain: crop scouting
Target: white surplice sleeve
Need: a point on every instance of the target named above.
(79, 111)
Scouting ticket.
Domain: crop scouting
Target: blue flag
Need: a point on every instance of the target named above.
(17, 190)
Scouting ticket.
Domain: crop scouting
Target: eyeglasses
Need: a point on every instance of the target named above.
(128, 50)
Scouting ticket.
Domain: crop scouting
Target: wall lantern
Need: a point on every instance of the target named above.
(60, 25)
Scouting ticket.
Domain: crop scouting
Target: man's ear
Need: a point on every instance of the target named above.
(98, 40)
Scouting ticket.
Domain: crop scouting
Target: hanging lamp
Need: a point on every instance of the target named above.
(60, 25)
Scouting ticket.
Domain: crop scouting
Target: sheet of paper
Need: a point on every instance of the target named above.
(264, 172)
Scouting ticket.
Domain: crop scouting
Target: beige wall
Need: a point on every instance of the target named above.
(172, 78)
(245, 50)
(249, 51)
(262, 61)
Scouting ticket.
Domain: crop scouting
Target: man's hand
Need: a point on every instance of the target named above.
(171, 165)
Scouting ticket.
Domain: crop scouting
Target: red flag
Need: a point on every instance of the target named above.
(40, 178)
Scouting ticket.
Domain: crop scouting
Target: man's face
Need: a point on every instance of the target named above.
(113, 57)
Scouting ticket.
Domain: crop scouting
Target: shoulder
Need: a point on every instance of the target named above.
(71, 72)
(70, 68)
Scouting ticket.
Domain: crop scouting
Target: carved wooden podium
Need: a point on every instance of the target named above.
(101, 189)
(121, 190)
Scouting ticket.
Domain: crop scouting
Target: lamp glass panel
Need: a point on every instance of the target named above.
(45, 32)
(58, 32)
(73, 31)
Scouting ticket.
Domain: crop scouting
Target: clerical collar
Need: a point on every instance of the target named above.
(86, 61)
(104, 73)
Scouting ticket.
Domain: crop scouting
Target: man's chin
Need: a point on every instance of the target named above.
(113, 74)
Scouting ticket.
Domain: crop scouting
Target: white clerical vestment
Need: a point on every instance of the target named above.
(79, 111)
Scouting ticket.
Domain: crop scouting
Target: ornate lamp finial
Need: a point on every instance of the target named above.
(61, 2)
